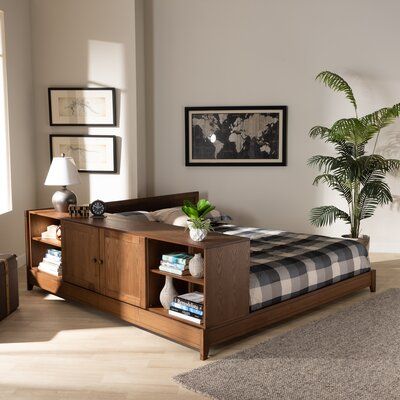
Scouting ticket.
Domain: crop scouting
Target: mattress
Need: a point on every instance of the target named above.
(285, 265)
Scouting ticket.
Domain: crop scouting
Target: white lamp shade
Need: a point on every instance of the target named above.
(62, 172)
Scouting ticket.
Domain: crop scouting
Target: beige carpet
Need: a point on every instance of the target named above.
(354, 354)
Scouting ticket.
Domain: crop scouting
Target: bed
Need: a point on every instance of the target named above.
(253, 277)
(285, 265)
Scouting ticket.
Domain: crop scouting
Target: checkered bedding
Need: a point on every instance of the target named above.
(285, 265)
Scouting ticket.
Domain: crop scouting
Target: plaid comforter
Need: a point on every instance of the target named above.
(285, 265)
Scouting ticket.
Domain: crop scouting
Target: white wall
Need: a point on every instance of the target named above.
(208, 52)
(19, 71)
(249, 52)
(90, 43)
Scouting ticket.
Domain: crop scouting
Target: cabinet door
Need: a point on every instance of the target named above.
(123, 274)
(80, 255)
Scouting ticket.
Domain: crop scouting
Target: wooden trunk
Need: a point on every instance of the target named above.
(9, 299)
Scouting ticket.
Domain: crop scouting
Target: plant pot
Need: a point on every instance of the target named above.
(197, 235)
(168, 293)
(364, 240)
(196, 266)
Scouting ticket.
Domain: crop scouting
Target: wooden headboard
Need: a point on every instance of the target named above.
(151, 203)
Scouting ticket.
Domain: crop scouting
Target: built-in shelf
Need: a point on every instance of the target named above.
(37, 273)
(164, 312)
(51, 242)
(186, 278)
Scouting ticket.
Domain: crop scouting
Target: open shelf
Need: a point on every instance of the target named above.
(51, 242)
(186, 278)
(164, 312)
(36, 273)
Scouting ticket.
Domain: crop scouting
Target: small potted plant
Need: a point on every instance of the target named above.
(198, 224)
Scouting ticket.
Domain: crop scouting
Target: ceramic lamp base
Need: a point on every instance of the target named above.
(62, 199)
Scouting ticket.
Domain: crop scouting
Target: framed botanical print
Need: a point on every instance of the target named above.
(82, 106)
(91, 153)
(236, 136)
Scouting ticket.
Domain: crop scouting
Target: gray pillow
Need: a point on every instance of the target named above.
(139, 216)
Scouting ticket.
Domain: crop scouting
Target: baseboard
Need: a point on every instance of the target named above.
(21, 260)
(392, 248)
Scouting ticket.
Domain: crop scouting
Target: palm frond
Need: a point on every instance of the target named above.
(392, 165)
(327, 215)
(334, 182)
(345, 149)
(338, 84)
(381, 118)
(350, 130)
(378, 190)
(374, 164)
(368, 208)
(375, 192)
(321, 131)
(323, 162)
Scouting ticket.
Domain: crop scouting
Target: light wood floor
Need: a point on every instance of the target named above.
(52, 349)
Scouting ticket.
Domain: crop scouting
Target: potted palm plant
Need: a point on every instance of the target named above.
(198, 224)
(356, 174)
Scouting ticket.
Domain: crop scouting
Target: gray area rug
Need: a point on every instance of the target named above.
(354, 354)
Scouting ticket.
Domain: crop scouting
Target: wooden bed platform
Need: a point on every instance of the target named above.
(112, 264)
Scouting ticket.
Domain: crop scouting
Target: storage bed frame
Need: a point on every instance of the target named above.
(112, 264)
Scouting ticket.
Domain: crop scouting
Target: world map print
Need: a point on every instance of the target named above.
(233, 136)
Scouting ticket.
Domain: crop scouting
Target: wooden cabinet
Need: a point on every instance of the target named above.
(105, 261)
(80, 247)
(123, 270)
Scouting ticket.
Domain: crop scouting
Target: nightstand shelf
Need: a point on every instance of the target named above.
(162, 311)
(51, 242)
(36, 272)
(37, 222)
(186, 278)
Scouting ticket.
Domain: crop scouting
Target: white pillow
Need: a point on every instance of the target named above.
(175, 216)
(171, 216)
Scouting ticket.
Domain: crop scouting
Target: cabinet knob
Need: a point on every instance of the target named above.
(94, 260)
(100, 262)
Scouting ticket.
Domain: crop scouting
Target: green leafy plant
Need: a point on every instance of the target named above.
(197, 213)
(358, 177)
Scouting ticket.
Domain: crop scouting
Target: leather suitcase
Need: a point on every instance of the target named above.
(9, 299)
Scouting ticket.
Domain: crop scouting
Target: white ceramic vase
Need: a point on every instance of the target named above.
(168, 293)
(197, 235)
(196, 266)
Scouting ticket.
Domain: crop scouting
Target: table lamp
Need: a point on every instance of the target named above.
(62, 172)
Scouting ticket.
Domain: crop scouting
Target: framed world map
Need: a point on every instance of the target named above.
(236, 136)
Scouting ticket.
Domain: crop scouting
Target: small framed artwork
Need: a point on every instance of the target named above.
(236, 136)
(91, 153)
(82, 106)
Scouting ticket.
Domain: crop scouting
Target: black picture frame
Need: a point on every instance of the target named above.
(282, 161)
(114, 151)
(113, 111)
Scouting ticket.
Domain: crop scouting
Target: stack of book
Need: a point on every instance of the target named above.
(188, 306)
(51, 263)
(175, 263)
(50, 232)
